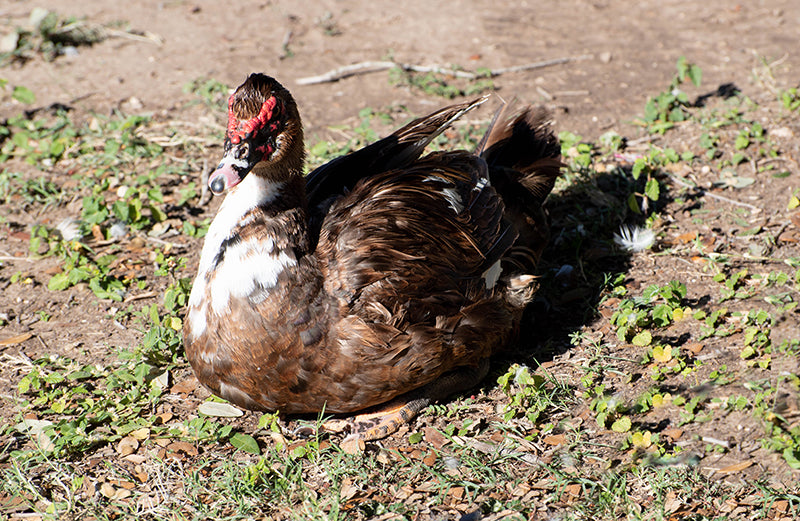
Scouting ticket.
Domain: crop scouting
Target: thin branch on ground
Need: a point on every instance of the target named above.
(375, 66)
(704, 193)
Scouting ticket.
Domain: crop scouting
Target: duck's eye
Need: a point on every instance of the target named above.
(243, 151)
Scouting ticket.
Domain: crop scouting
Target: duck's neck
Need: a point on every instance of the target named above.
(260, 232)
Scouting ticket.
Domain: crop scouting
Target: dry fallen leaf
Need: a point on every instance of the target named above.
(555, 439)
(435, 438)
(108, 490)
(695, 348)
(382, 457)
(140, 434)
(185, 386)
(347, 490)
(136, 459)
(737, 467)
(456, 492)
(127, 445)
(184, 447)
(430, 459)
(673, 434)
(129, 485)
(672, 502)
(219, 409)
(17, 339)
(97, 233)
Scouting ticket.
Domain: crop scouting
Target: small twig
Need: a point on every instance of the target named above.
(729, 200)
(572, 93)
(546, 95)
(715, 441)
(140, 296)
(285, 52)
(540, 65)
(12, 258)
(347, 70)
(704, 192)
(147, 37)
(375, 66)
(781, 229)
(638, 141)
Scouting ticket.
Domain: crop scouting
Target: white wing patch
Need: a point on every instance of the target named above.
(491, 275)
(451, 195)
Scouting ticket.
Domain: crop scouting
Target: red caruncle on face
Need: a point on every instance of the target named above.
(242, 129)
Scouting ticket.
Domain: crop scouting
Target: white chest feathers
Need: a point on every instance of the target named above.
(249, 269)
(243, 269)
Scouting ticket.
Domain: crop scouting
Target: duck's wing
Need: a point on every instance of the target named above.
(397, 151)
(416, 238)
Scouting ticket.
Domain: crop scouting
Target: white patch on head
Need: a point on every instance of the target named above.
(491, 275)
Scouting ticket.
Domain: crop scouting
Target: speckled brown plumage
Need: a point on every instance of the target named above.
(375, 275)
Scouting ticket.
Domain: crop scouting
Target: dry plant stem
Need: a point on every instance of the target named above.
(140, 296)
(715, 441)
(375, 66)
(12, 258)
(706, 193)
(147, 37)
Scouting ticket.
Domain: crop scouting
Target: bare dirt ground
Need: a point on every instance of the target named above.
(622, 53)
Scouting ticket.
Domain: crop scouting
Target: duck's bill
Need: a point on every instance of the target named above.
(229, 172)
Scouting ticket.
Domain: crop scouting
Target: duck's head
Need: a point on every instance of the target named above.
(264, 134)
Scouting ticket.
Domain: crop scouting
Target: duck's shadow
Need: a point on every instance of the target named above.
(576, 266)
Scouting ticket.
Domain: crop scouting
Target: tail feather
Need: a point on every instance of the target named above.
(524, 159)
(527, 146)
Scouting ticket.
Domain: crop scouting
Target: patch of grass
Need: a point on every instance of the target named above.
(435, 84)
(213, 93)
(671, 106)
(49, 35)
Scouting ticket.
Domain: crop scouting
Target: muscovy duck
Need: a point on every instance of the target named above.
(382, 276)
